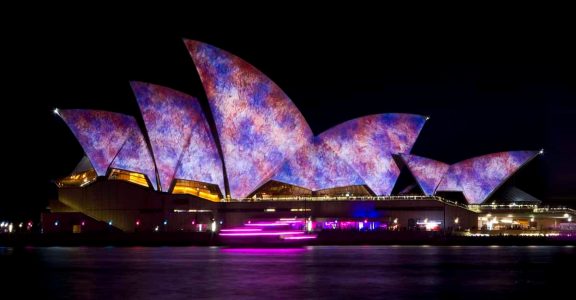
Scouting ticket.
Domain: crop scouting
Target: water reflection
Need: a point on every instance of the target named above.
(312, 272)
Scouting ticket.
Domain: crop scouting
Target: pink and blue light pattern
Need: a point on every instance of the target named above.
(201, 160)
(258, 125)
(169, 116)
(367, 144)
(315, 167)
(135, 156)
(100, 133)
(426, 171)
(480, 176)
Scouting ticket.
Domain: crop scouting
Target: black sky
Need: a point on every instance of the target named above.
(487, 86)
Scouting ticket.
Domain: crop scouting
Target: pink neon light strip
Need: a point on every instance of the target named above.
(266, 224)
(300, 237)
(261, 233)
(241, 230)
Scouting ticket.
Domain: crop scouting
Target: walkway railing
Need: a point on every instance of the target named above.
(535, 208)
(354, 198)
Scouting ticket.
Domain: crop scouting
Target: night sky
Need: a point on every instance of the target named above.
(487, 87)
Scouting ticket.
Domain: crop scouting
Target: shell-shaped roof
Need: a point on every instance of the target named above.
(258, 125)
(368, 143)
(477, 178)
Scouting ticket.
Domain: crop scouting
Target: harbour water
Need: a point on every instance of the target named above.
(338, 272)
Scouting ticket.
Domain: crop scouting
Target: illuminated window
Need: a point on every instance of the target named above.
(200, 189)
(136, 178)
(78, 179)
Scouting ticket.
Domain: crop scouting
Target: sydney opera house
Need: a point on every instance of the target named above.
(252, 155)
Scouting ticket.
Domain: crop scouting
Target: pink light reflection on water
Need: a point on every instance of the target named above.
(266, 251)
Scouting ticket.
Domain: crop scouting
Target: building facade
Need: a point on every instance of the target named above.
(259, 159)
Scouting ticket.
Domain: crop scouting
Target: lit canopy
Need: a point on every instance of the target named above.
(477, 178)
(263, 136)
(100, 133)
(426, 171)
(368, 143)
(258, 125)
(135, 156)
(179, 135)
(317, 167)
